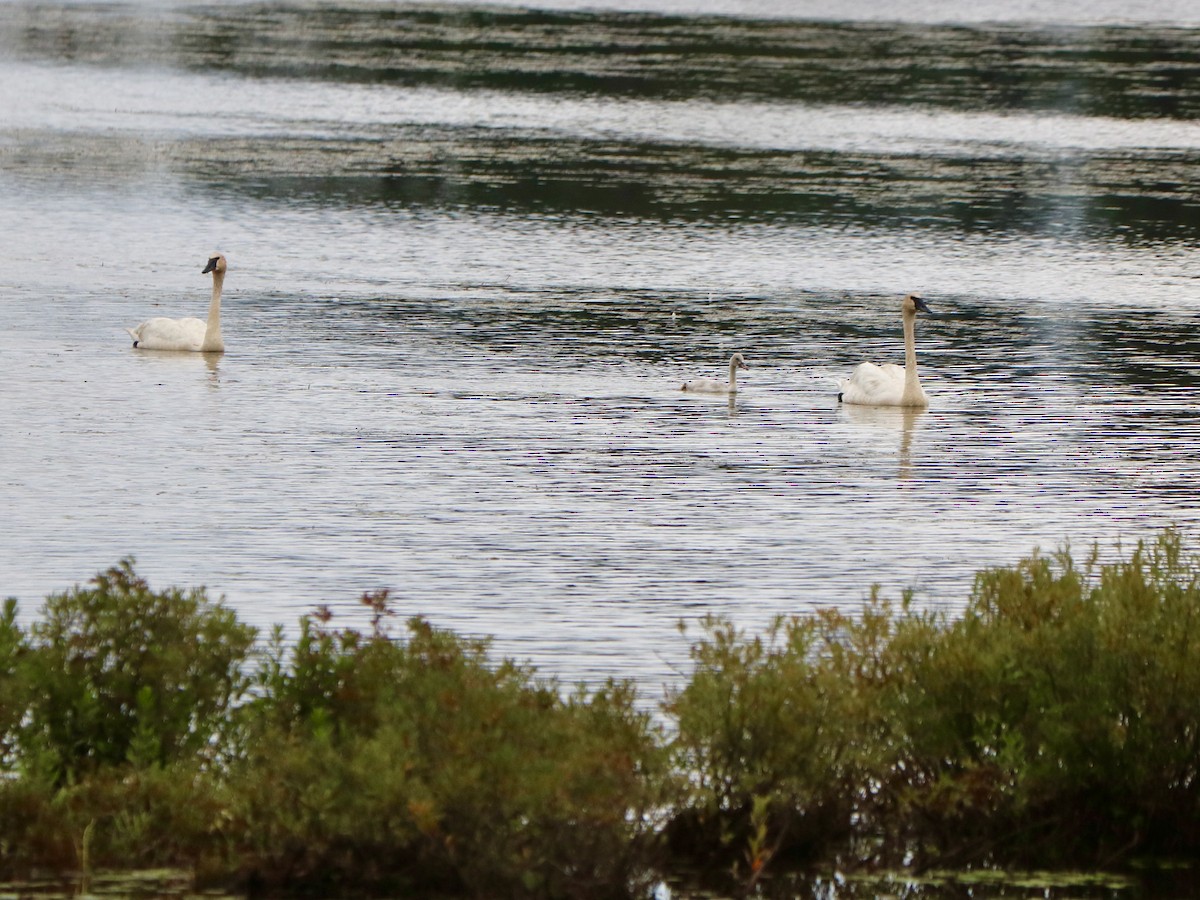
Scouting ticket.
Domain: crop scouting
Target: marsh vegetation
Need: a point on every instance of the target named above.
(1055, 723)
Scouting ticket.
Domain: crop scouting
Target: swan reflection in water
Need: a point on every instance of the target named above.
(900, 420)
(181, 358)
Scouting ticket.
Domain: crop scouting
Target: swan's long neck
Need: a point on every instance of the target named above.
(733, 375)
(212, 334)
(913, 395)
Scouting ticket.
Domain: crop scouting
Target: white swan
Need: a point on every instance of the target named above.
(712, 386)
(890, 384)
(193, 334)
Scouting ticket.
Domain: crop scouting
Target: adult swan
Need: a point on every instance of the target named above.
(890, 384)
(193, 334)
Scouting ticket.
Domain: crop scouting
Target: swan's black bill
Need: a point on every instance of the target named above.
(212, 264)
(920, 305)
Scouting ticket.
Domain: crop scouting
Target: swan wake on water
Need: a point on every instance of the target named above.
(890, 384)
(199, 335)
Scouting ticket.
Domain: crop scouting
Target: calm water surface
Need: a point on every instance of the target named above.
(474, 250)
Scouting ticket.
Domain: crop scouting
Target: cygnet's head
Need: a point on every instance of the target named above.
(738, 362)
(914, 304)
(216, 263)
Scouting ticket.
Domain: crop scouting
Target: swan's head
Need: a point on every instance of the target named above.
(914, 304)
(737, 362)
(216, 263)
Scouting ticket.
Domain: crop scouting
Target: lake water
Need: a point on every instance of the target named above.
(474, 250)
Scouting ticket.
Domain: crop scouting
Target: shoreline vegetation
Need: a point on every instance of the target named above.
(1053, 722)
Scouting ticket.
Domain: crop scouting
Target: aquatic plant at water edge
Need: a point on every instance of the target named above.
(416, 763)
(1058, 720)
(13, 687)
(125, 674)
(116, 707)
(782, 735)
(1055, 720)
(363, 761)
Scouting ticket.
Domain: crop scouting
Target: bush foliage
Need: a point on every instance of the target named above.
(1055, 719)
(1058, 720)
(118, 673)
(416, 763)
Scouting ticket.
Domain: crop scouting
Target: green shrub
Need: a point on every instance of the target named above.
(779, 735)
(114, 817)
(417, 764)
(117, 673)
(14, 689)
(1055, 721)
(34, 831)
(1058, 720)
(112, 709)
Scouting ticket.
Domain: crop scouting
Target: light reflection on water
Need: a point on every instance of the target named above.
(476, 403)
(551, 486)
(184, 105)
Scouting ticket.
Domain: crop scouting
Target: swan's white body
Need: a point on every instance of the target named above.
(198, 335)
(712, 386)
(890, 384)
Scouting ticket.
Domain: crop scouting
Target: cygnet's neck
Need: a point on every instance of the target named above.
(733, 367)
(212, 334)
